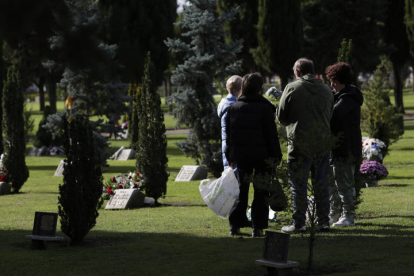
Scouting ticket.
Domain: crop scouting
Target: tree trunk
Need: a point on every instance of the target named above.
(2, 77)
(42, 93)
(398, 88)
(283, 82)
(51, 89)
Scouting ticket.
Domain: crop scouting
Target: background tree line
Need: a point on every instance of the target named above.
(92, 48)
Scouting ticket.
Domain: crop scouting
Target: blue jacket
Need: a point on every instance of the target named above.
(222, 108)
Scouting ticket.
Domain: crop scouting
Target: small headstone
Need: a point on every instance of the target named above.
(43, 151)
(189, 173)
(126, 199)
(4, 188)
(44, 229)
(45, 224)
(274, 261)
(60, 169)
(33, 151)
(276, 246)
(125, 155)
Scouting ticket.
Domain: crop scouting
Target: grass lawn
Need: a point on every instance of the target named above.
(184, 237)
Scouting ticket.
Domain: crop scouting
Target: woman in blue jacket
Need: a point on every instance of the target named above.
(233, 86)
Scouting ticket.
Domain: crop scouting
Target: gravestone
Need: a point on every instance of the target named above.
(43, 151)
(60, 169)
(44, 229)
(126, 199)
(274, 261)
(4, 188)
(33, 152)
(189, 173)
(116, 154)
(125, 155)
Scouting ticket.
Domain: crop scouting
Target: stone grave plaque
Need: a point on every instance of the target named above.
(115, 155)
(33, 152)
(60, 169)
(43, 151)
(45, 224)
(125, 155)
(188, 173)
(126, 199)
(276, 247)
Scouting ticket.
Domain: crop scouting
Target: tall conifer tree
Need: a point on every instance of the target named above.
(243, 27)
(151, 156)
(279, 36)
(80, 194)
(14, 141)
(207, 57)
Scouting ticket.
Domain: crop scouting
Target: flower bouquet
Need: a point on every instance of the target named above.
(3, 173)
(372, 171)
(132, 180)
(373, 149)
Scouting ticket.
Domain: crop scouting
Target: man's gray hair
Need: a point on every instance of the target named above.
(304, 66)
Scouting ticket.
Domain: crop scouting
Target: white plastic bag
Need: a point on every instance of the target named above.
(220, 194)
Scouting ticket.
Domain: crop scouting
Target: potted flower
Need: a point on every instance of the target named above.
(132, 180)
(372, 172)
(373, 149)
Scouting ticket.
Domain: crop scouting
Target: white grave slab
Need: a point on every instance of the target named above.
(59, 170)
(33, 152)
(125, 155)
(126, 199)
(189, 173)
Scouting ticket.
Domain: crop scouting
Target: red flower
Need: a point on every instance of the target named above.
(4, 170)
(112, 179)
(137, 180)
(129, 177)
(366, 143)
(120, 186)
(372, 143)
(2, 179)
(109, 190)
(135, 186)
(137, 173)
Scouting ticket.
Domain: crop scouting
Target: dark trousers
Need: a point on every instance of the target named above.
(298, 176)
(257, 173)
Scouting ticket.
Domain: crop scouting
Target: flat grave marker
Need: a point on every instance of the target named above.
(126, 199)
(125, 155)
(189, 173)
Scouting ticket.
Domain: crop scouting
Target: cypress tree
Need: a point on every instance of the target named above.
(133, 119)
(242, 27)
(380, 118)
(207, 58)
(14, 142)
(151, 157)
(345, 52)
(2, 77)
(80, 194)
(279, 35)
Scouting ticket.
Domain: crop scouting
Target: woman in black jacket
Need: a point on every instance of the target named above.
(345, 124)
(252, 141)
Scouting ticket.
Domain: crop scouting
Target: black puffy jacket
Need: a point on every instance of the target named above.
(346, 120)
(251, 130)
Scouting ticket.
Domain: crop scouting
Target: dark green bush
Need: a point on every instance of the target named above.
(80, 195)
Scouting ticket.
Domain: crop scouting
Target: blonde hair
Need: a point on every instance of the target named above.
(234, 84)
